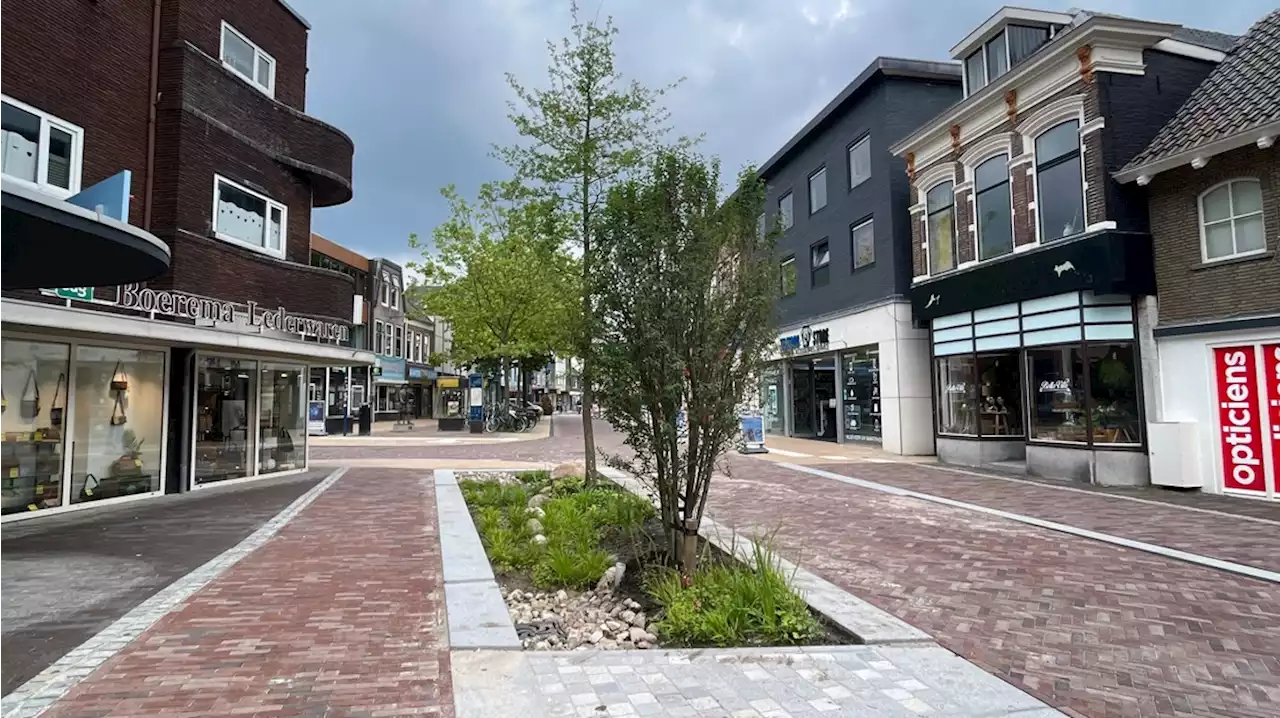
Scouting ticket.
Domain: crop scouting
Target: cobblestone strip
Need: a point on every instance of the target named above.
(36, 695)
(1165, 551)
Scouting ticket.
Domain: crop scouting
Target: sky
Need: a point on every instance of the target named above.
(420, 86)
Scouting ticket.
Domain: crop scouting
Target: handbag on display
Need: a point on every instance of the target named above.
(284, 442)
(30, 407)
(118, 416)
(119, 381)
(55, 411)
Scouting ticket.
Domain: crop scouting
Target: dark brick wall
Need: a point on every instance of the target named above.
(1190, 290)
(87, 63)
(265, 22)
(1136, 107)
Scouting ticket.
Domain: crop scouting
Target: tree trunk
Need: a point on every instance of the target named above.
(588, 432)
(689, 549)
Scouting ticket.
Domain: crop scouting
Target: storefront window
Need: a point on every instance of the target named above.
(1000, 394)
(388, 398)
(359, 387)
(337, 399)
(957, 411)
(225, 393)
(1057, 394)
(451, 402)
(282, 422)
(861, 392)
(771, 399)
(315, 388)
(35, 400)
(1114, 391)
(119, 422)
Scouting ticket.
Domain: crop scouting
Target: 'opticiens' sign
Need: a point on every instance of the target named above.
(177, 304)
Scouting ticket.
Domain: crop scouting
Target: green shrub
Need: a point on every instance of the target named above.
(491, 493)
(568, 485)
(731, 604)
(534, 481)
(569, 566)
(566, 525)
(508, 550)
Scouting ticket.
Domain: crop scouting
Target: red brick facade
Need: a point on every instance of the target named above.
(1190, 289)
(89, 64)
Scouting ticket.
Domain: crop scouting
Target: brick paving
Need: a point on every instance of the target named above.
(339, 614)
(1253, 540)
(1096, 629)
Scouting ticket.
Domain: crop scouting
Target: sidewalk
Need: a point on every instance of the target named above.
(425, 433)
(1085, 626)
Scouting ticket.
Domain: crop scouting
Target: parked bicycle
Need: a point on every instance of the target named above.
(508, 418)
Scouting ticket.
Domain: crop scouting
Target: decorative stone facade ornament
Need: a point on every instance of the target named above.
(955, 138)
(911, 167)
(1011, 106)
(1084, 54)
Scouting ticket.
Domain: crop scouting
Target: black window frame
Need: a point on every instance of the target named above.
(853, 244)
(928, 223)
(826, 194)
(1042, 165)
(848, 158)
(787, 219)
(979, 190)
(789, 260)
(825, 268)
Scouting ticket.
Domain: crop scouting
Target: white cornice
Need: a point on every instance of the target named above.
(986, 148)
(927, 179)
(1203, 152)
(1186, 49)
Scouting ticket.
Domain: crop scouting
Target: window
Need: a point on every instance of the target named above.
(282, 426)
(377, 336)
(985, 64)
(975, 76)
(789, 276)
(248, 60)
(395, 293)
(820, 264)
(995, 213)
(388, 399)
(417, 347)
(957, 408)
(245, 217)
(1057, 394)
(785, 209)
(862, 240)
(817, 190)
(40, 149)
(1059, 184)
(940, 205)
(760, 226)
(1000, 394)
(226, 403)
(997, 58)
(386, 289)
(1024, 40)
(859, 162)
(399, 347)
(1231, 220)
(1113, 393)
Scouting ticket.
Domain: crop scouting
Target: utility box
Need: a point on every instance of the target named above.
(1174, 450)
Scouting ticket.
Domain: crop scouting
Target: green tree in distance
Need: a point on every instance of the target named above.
(588, 128)
(500, 275)
(686, 288)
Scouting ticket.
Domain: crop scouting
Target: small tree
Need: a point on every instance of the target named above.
(686, 287)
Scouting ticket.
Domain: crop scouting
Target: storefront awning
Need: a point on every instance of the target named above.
(1105, 262)
(49, 242)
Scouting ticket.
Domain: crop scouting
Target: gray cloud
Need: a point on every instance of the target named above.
(419, 84)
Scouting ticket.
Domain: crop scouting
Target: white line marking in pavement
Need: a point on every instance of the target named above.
(784, 452)
(50, 685)
(837, 458)
(1230, 566)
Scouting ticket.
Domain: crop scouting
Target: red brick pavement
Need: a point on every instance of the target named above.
(339, 614)
(1088, 627)
(1239, 539)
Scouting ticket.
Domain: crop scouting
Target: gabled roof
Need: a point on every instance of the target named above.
(1240, 96)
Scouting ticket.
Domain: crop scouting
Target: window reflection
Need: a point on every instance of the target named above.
(225, 395)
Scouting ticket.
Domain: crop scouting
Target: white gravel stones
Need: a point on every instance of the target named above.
(566, 620)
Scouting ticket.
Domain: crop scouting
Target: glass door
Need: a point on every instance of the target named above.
(226, 396)
(282, 422)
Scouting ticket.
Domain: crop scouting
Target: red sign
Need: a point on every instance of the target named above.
(1239, 422)
(1271, 383)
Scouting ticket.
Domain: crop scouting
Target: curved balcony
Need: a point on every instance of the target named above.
(289, 136)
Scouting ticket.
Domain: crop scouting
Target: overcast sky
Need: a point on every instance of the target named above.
(419, 85)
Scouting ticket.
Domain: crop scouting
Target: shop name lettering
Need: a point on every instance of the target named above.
(1055, 385)
(176, 304)
(1243, 450)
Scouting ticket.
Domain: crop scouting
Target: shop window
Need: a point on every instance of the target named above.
(226, 392)
(859, 162)
(771, 399)
(941, 207)
(1000, 394)
(861, 392)
(39, 148)
(785, 210)
(1058, 403)
(1231, 220)
(820, 264)
(788, 276)
(248, 60)
(336, 401)
(359, 387)
(957, 409)
(119, 422)
(388, 399)
(995, 211)
(34, 378)
(245, 217)
(1113, 391)
(862, 241)
(315, 387)
(282, 423)
(817, 190)
(1059, 183)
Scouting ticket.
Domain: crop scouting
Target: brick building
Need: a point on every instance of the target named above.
(197, 376)
(1213, 183)
(1032, 264)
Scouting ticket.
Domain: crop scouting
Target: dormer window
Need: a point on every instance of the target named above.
(1006, 49)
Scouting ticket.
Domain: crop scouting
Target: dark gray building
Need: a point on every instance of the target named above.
(850, 365)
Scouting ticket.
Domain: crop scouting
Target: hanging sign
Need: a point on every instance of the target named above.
(1239, 420)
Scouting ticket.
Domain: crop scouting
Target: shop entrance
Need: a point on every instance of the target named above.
(813, 394)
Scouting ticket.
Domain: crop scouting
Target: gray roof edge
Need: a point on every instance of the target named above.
(886, 66)
(295, 13)
(1241, 138)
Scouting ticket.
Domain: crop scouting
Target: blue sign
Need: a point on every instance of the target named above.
(416, 372)
(477, 413)
(789, 344)
(315, 411)
(477, 381)
(111, 194)
(392, 368)
(752, 434)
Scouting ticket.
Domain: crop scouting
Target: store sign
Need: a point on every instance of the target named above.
(1239, 420)
(807, 340)
(1271, 384)
(958, 388)
(1055, 386)
(187, 306)
(390, 369)
(84, 294)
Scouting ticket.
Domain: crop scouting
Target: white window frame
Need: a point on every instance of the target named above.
(955, 227)
(986, 71)
(385, 293)
(1041, 121)
(1231, 218)
(48, 121)
(379, 335)
(395, 293)
(266, 221)
(849, 158)
(399, 339)
(258, 54)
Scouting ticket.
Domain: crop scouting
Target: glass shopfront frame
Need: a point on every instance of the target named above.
(1074, 358)
(265, 447)
(104, 419)
(860, 395)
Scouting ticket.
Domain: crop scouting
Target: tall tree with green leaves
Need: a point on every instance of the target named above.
(686, 286)
(585, 130)
(498, 272)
